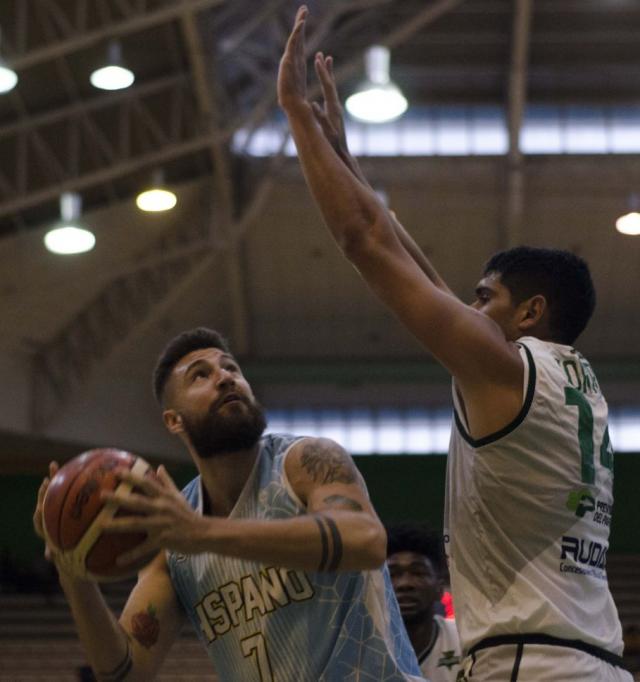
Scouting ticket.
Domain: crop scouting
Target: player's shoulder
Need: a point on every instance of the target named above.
(279, 443)
(446, 624)
(448, 632)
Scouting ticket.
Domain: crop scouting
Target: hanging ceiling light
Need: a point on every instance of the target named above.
(8, 77)
(378, 99)
(156, 198)
(69, 237)
(629, 223)
(113, 76)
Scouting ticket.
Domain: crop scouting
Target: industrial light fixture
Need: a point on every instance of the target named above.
(69, 237)
(629, 223)
(158, 197)
(113, 76)
(8, 77)
(378, 99)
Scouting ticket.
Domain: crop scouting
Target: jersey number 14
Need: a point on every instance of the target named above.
(572, 396)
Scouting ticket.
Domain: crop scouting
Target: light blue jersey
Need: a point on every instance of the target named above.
(263, 623)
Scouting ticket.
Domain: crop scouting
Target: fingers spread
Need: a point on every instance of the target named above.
(131, 501)
(147, 484)
(133, 524)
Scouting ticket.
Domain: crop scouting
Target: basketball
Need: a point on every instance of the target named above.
(73, 513)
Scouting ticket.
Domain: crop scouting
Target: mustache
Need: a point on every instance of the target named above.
(215, 406)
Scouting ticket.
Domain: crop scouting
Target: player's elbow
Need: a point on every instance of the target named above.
(362, 239)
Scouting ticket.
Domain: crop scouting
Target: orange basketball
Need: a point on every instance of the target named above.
(73, 513)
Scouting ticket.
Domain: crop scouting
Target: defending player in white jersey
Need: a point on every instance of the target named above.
(274, 551)
(415, 558)
(530, 468)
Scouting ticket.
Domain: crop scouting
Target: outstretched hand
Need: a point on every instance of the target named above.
(331, 116)
(292, 74)
(161, 512)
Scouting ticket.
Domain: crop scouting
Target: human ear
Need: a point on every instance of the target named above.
(533, 310)
(173, 421)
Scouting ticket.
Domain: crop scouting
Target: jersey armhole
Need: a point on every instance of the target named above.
(285, 479)
(530, 382)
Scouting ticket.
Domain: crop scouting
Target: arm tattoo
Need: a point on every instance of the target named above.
(327, 462)
(324, 540)
(331, 552)
(337, 545)
(145, 627)
(121, 670)
(342, 501)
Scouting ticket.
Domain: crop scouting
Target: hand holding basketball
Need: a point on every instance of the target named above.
(71, 514)
(161, 512)
(38, 524)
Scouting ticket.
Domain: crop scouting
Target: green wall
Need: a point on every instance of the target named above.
(401, 487)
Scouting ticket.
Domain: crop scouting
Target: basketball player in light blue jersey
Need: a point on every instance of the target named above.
(274, 552)
(530, 469)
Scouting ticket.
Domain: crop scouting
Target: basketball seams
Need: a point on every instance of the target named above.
(94, 531)
(71, 478)
(86, 475)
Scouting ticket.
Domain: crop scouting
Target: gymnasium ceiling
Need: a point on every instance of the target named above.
(245, 250)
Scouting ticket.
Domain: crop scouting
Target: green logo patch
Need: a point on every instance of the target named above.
(581, 502)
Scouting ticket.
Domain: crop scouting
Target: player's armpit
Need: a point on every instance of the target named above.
(151, 618)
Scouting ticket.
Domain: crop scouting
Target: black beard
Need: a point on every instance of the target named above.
(216, 433)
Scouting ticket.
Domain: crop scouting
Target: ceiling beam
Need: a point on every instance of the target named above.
(132, 24)
(151, 159)
(517, 93)
(96, 104)
(209, 93)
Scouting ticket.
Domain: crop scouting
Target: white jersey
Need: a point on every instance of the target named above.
(440, 662)
(528, 511)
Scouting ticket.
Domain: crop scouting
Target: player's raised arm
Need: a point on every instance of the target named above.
(331, 120)
(468, 343)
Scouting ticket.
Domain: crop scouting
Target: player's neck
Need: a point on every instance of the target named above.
(422, 633)
(224, 477)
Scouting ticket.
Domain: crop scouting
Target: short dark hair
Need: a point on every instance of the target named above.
(177, 348)
(419, 538)
(560, 276)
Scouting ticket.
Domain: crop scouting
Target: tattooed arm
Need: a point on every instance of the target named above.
(340, 532)
(135, 647)
(325, 478)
